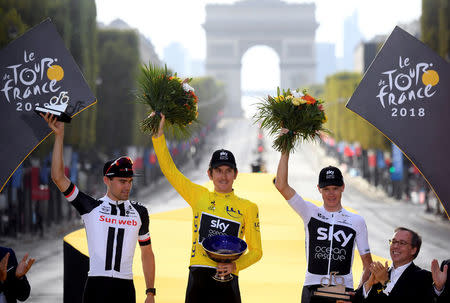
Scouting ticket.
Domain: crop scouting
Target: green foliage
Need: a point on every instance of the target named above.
(165, 93)
(11, 25)
(58, 11)
(444, 29)
(17, 16)
(344, 124)
(435, 27)
(211, 96)
(299, 113)
(81, 14)
(118, 70)
(430, 23)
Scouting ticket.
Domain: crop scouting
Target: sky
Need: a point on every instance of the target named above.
(167, 21)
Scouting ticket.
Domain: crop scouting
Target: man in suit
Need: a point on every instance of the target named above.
(403, 281)
(13, 282)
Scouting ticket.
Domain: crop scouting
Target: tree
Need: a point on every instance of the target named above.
(118, 66)
(435, 26)
(83, 47)
(17, 16)
(343, 123)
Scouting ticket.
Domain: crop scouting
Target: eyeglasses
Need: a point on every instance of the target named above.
(122, 161)
(401, 242)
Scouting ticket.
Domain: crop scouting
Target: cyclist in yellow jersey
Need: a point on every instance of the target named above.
(217, 212)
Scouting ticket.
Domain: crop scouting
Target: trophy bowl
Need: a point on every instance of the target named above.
(224, 249)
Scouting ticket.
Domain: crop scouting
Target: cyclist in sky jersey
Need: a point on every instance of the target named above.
(214, 213)
(114, 225)
(331, 232)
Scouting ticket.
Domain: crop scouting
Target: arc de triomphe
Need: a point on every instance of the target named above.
(231, 30)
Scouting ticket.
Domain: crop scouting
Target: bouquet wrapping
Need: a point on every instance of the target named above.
(166, 93)
(301, 115)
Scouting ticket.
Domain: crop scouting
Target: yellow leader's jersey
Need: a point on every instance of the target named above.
(213, 213)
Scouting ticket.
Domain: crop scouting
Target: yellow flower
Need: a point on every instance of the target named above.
(298, 101)
(325, 118)
(289, 97)
(281, 98)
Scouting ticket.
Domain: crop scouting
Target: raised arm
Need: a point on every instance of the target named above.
(57, 170)
(281, 182)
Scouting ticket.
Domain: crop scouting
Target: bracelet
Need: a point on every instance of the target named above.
(151, 290)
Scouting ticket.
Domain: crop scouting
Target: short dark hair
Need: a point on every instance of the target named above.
(210, 169)
(416, 239)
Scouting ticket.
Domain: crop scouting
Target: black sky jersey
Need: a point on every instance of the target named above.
(330, 239)
(112, 229)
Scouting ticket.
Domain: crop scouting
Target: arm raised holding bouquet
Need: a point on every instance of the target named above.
(209, 207)
(173, 106)
(166, 93)
(300, 115)
(295, 116)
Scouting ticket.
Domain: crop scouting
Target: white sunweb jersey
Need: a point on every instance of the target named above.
(112, 230)
(330, 239)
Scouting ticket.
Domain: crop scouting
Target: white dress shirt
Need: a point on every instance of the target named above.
(394, 276)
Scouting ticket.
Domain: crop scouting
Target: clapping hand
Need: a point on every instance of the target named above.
(24, 266)
(380, 272)
(439, 277)
(3, 268)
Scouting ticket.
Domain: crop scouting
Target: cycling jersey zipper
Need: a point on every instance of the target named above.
(331, 232)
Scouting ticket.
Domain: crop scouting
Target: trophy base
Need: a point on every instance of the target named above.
(226, 278)
(60, 116)
(332, 294)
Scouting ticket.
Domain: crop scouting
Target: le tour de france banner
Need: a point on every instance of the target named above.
(37, 73)
(405, 93)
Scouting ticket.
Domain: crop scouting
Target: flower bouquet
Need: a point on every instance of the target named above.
(300, 115)
(165, 93)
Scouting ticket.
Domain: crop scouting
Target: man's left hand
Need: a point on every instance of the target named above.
(24, 266)
(4, 268)
(439, 277)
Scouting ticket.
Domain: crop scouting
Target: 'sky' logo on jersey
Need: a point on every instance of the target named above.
(340, 236)
(220, 225)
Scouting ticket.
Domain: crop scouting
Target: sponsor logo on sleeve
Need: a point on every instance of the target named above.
(233, 212)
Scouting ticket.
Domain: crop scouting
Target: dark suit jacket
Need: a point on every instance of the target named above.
(414, 285)
(14, 289)
(445, 296)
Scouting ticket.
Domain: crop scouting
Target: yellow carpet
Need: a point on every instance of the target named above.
(277, 277)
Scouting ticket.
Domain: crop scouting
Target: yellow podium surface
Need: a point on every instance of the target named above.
(277, 277)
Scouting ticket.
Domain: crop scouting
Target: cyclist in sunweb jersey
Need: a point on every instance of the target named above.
(216, 212)
(331, 232)
(114, 225)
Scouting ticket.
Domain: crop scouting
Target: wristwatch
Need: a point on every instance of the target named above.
(151, 290)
